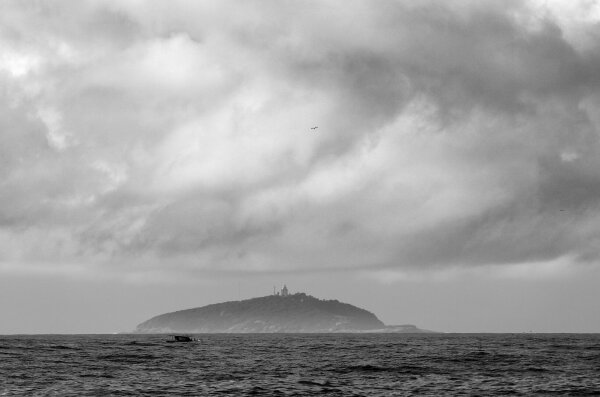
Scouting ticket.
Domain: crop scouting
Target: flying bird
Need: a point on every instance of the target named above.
(314, 128)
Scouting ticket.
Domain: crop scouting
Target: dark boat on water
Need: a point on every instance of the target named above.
(181, 338)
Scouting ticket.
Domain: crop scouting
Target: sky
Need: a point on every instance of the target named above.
(156, 156)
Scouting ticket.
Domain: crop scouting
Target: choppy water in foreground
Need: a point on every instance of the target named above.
(301, 364)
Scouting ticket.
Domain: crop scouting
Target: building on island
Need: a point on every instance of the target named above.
(283, 292)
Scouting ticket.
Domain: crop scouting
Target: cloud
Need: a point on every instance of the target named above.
(177, 137)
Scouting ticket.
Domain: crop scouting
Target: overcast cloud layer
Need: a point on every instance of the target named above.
(136, 137)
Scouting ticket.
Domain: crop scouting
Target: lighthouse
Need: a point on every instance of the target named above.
(282, 292)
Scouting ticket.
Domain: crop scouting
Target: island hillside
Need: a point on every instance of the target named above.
(276, 313)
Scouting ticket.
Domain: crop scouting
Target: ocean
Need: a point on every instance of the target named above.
(301, 365)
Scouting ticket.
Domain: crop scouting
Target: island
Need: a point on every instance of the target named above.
(281, 312)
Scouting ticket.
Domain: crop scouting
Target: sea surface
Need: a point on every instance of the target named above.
(301, 365)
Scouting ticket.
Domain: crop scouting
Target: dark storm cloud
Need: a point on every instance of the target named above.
(178, 134)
